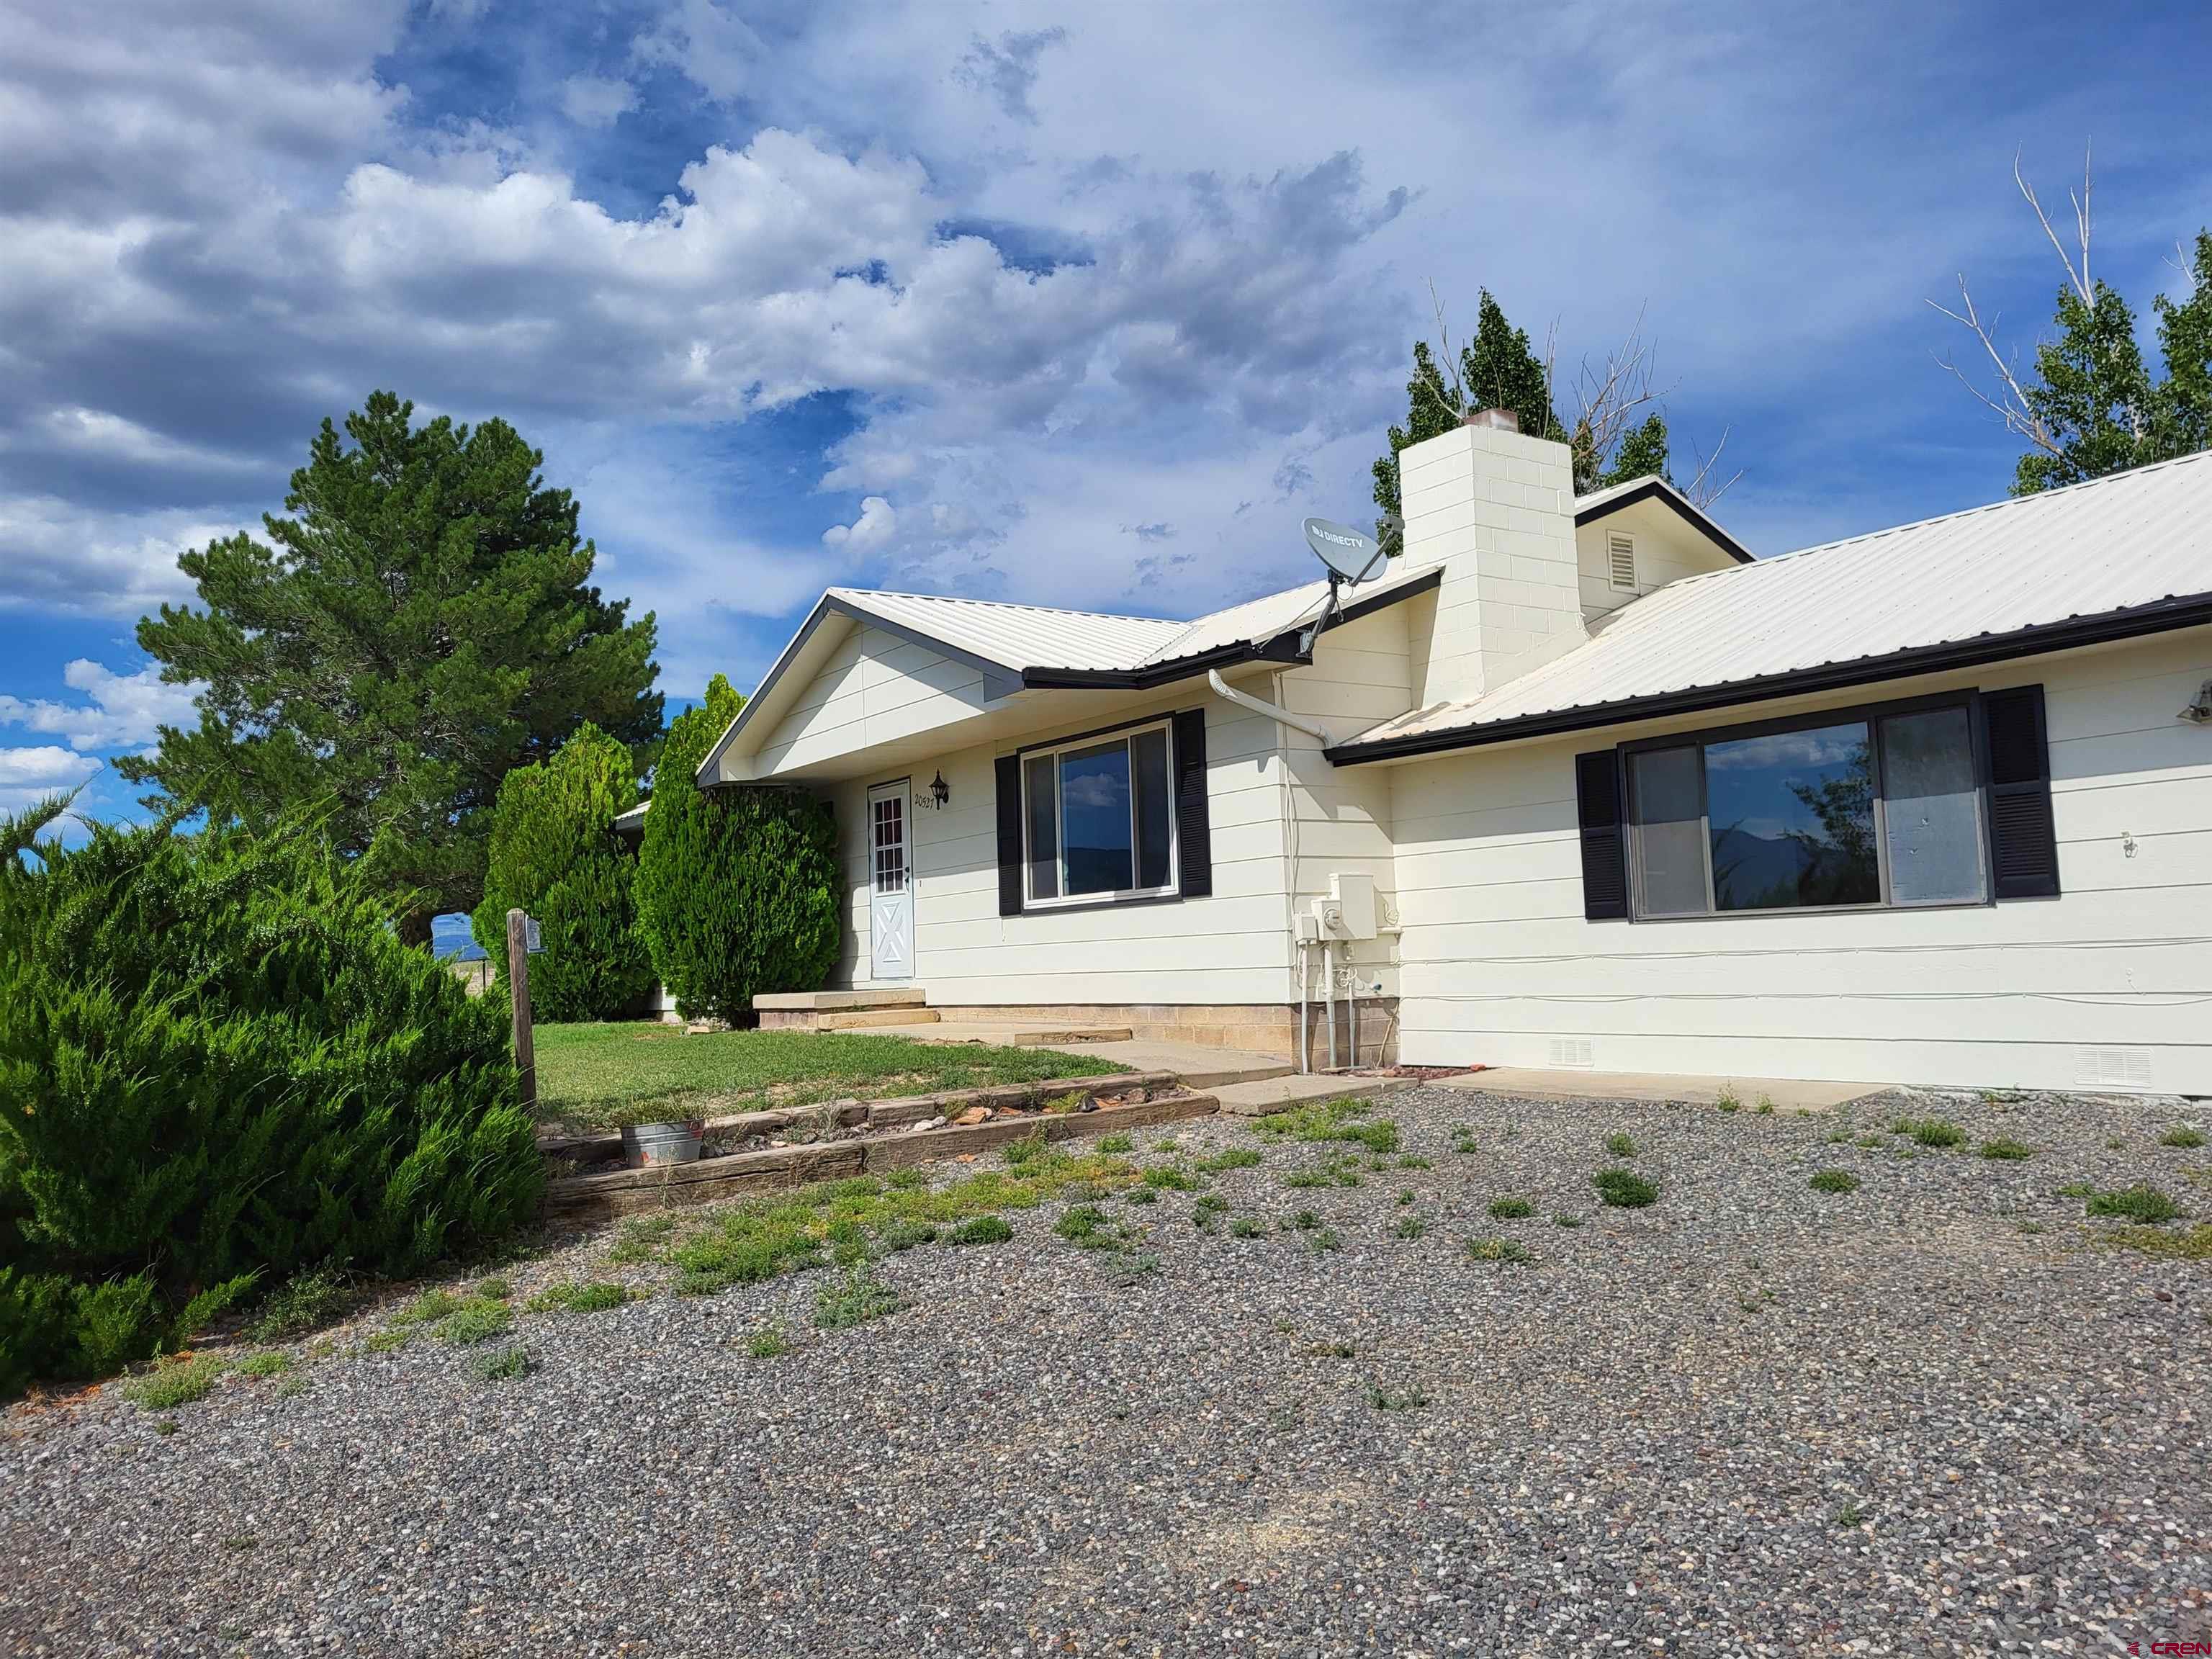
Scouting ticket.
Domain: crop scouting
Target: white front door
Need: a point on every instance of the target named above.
(891, 896)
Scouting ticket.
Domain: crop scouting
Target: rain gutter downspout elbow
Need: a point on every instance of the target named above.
(1312, 728)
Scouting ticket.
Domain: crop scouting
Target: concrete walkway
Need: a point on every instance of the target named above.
(1787, 1094)
(1199, 1064)
(1258, 1096)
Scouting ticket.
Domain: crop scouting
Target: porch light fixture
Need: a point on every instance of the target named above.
(939, 791)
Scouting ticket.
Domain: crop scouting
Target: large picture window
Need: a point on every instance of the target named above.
(1098, 819)
(1879, 808)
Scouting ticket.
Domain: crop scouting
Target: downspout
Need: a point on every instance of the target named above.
(1312, 728)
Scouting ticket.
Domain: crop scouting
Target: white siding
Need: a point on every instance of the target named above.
(1498, 960)
(876, 689)
(1667, 549)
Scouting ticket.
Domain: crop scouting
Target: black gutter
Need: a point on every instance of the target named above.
(1282, 648)
(1651, 489)
(2160, 616)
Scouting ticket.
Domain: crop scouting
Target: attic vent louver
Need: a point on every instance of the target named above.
(1621, 552)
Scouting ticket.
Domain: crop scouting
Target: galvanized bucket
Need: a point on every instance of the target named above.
(647, 1146)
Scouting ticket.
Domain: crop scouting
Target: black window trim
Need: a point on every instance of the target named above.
(1170, 892)
(1871, 714)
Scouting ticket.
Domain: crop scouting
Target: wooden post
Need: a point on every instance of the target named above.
(518, 980)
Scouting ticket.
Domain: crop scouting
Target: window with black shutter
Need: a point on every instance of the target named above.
(1597, 805)
(2023, 839)
(1106, 817)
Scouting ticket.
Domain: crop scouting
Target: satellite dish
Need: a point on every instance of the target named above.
(1350, 555)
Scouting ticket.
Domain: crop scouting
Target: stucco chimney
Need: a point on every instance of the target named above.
(1495, 508)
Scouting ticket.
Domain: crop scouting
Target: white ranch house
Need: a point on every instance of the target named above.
(1576, 782)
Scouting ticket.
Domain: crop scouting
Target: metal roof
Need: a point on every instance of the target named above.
(2113, 544)
(1019, 636)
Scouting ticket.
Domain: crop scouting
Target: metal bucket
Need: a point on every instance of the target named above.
(647, 1146)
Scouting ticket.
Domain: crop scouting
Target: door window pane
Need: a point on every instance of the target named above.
(1094, 818)
(1670, 834)
(1044, 827)
(1791, 815)
(1931, 810)
(1148, 770)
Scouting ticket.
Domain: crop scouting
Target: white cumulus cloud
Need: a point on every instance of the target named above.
(121, 711)
(27, 774)
(871, 531)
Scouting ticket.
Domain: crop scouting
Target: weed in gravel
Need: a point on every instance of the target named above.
(1332, 1120)
(268, 1363)
(1404, 1194)
(980, 1230)
(2076, 1189)
(1624, 1189)
(1080, 1221)
(1566, 1219)
(568, 1296)
(1206, 1214)
(1499, 1249)
(174, 1383)
(1872, 1142)
(1140, 1195)
(321, 1296)
(2182, 1136)
(2117, 1143)
(1234, 1158)
(1410, 1226)
(2142, 1202)
(1247, 1226)
(1125, 1267)
(1833, 1180)
(1765, 1107)
(1027, 1150)
(908, 1179)
(1850, 1514)
(385, 1341)
(499, 1365)
(499, 1289)
(906, 1235)
(1165, 1144)
(1511, 1209)
(165, 1427)
(1411, 1161)
(1620, 1146)
(1463, 1140)
(641, 1237)
(1331, 1172)
(292, 1387)
(1305, 1221)
(1839, 1138)
(1173, 1178)
(1331, 1350)
(477, 1320)
(1728, 1102)
(770, 1341)
(854, 1300)
(2002, 1151)
(1386, 1400)
(430, 1307)
(1323, 1240)
(1930, 1131)
(2193, 1245)
(1112, 1143)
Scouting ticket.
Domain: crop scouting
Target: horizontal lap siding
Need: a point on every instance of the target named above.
(1498, 960)
(1228, 948)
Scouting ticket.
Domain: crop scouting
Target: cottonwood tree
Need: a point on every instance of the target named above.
(422, 625)
(2089, 404)
(1618, 431)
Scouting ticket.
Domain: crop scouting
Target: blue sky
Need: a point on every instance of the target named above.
(1083, 307)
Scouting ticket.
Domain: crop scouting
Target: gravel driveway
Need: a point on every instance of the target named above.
(1926, 1416)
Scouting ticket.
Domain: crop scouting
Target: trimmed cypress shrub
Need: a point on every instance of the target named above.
(218, 1065)
(554, 855)
(737, 890)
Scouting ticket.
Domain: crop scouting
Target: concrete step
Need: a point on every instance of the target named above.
(863, 1018)
(1257, 1096)
(1075, 1033)
(839, 1002)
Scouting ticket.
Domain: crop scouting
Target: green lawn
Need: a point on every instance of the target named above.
(608, 1074)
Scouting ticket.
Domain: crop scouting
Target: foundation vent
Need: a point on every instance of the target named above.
(1574, 1052)
(2113, 1068)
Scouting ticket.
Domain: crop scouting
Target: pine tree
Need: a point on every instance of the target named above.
(738, 890)
(554, 855)
(423, 624)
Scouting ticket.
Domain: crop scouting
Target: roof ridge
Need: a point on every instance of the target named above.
(1006, 605)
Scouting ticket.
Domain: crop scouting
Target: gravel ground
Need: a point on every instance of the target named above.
(1925, 1417)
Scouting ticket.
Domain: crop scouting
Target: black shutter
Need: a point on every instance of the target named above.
(1010, 834)
(1605, 863)
(2023, 843)
(1193, 825)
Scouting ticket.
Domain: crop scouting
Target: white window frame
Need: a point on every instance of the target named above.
(1065, 900)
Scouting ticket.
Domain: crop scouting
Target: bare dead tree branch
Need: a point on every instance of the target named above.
(1704, 488)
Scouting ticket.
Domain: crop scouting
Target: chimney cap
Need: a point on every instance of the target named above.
(1503, 419)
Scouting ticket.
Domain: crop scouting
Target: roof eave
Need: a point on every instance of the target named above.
(2134, 621)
